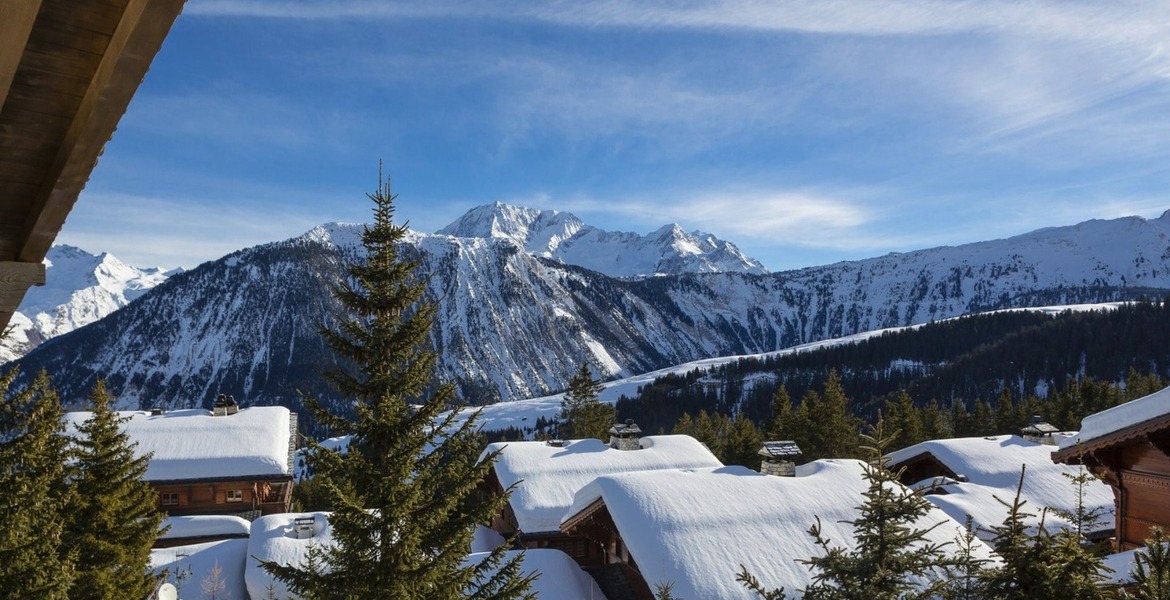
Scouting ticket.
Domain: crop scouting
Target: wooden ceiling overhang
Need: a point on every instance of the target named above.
(68, 69)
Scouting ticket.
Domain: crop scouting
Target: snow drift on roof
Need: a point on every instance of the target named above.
(205, 526)
(1121, 417)
(559, 576)
(192, 444)
(992, 468)
(696, 527)
(276, 538)
(548, 476)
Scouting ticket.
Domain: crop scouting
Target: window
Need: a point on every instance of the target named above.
(235, 495)
(170, 499)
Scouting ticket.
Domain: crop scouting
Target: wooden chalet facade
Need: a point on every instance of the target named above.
(68, 70)
(596, 526)
(228, 462)
(1129, 447)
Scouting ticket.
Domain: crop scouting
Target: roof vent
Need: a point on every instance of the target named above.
(157, 411)
(1038, 431)
(779, 458)
(558, 443)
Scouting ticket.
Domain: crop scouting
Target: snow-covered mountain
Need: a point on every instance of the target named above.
(80, 288)
(563, 237)
(514, 325)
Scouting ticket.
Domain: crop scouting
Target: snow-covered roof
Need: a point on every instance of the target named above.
(192, 444)
(548, 476)
(992, 466)
(204, 526)
(694, 528)
(1121, 417)
(277, 538)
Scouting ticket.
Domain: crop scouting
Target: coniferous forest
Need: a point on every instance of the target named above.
(976, 375)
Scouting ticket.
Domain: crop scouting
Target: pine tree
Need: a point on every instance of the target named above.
(34, 493)
(906, 419)
(1042, 565)
(892, 556)
(741, 445)
(582, 415)
(1151, 572)
(404, 496)
(113, 521)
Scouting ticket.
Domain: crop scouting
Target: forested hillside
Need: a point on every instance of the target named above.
(1025, 356)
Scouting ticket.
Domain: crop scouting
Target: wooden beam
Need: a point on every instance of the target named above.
(138, 37)
(16, 23)
(22, 273)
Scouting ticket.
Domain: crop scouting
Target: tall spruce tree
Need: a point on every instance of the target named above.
(582, 414)
(113, 521)
(404, 496)
(34, 493)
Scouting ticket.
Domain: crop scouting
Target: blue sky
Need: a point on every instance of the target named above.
(805, 132)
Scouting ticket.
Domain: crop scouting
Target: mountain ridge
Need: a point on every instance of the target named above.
(513, 325)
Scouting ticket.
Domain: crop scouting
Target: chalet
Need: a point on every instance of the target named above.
(203, 463)
(1129, 447)
(695, 528)
(964, 476)
(547, 474)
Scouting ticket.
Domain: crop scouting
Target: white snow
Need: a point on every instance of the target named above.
(205, 526)
(1121, 417)
(992, 468)
(560, 578)
(275, 538)
(80, 288)
(695, 528)
(193, 444)
(548, 476)
(190, 566)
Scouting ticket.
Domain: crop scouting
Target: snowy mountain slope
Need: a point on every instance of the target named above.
(522, 414)
(565, 238)
(513, 326)
(80, 288)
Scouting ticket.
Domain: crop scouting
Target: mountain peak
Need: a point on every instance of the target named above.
(563, 237)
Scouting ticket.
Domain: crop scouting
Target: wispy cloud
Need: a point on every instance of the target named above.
(171, 232)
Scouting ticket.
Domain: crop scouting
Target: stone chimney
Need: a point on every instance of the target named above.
(224, 406)
(779, 458)
(1039, 432)
(625, 436)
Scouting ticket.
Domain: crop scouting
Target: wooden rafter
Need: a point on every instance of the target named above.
(16, 23)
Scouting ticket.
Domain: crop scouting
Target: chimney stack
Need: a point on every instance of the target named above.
(625, 437)
(224, 405)
(779, 458)
(1039, 431)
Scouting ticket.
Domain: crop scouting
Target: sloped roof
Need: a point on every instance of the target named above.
(67, 73)
(550, 475)
(696, 527)
(192, 444)
(1117, 425)
(992, 467)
